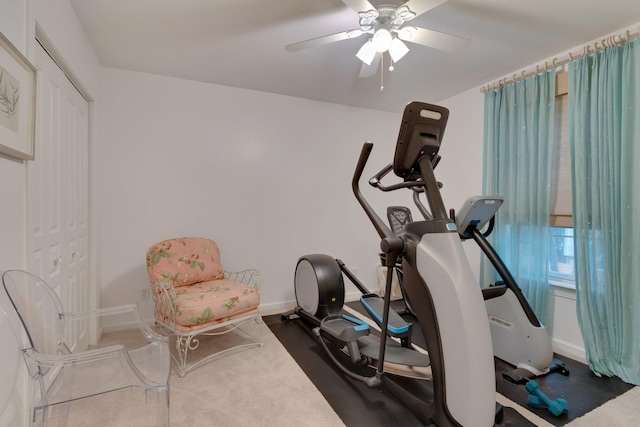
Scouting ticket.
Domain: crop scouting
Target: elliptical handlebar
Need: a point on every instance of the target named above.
(390, 243)
(416, 186)
(423, 210)
(376, 181)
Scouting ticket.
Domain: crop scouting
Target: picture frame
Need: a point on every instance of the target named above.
(17, 102)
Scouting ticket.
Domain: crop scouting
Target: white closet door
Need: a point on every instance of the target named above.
(58, 196)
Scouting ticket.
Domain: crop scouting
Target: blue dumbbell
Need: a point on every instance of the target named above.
(538, 399)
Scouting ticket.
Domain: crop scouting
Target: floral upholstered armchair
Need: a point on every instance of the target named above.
(193, 296)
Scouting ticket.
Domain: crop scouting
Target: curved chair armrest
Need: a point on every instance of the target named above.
(71, 358)
(102, 311)
(164, 287)
(164, 300)
(249, 277)
(149, 333)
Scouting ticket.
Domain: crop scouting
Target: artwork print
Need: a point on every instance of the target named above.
(17, 102)
(9, 100)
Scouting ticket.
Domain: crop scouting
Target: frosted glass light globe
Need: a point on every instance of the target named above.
(382, 40)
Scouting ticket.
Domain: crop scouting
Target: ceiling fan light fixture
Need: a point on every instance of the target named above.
(381, 40)
(366, 53)
(398, 49)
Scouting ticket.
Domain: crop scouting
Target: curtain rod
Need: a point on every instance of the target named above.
(589, 49)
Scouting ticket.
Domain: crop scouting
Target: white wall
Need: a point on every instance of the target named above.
(12, 212)
(460, 169)
(12, 250)
(267, 176)
(13, 25)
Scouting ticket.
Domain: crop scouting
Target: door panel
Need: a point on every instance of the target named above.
(58, 199)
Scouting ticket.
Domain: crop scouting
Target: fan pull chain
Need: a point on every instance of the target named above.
(381, 72)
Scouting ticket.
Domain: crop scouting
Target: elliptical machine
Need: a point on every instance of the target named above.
(437, 278)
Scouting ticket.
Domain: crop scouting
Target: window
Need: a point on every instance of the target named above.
(561, 256)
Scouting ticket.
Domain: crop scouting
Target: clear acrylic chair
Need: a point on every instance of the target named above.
(60, 376)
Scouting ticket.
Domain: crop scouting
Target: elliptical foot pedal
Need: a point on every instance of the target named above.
(345, 328)
(374, 305)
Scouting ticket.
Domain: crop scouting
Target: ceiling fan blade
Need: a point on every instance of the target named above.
(370, 70)
(359, 5)
(437, 40)
(418, 7)
(319, 41)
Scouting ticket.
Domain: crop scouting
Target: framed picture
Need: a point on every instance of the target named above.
(17, 102)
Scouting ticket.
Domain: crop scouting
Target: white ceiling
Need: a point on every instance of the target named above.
(240, 43)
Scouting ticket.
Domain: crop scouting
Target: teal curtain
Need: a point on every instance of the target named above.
(518, 136)
(604, 132)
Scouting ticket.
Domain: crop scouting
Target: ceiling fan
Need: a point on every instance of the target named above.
(386, 25)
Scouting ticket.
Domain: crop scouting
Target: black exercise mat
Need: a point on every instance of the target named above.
(582, 389)
(356, 404)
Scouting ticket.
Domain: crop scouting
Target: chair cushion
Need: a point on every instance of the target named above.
(215, 301)
(184, 261)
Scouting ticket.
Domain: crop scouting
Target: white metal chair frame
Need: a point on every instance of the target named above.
(164, 296)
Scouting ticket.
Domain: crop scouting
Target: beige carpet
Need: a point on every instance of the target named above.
(623, 411)
(259, 386)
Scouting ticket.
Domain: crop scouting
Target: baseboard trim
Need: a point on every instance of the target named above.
(281, 307)
(566, 349)
(276, 307)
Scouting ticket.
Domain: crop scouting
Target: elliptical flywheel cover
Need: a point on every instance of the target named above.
(319, 285)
